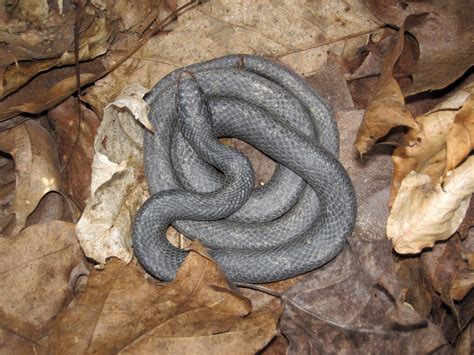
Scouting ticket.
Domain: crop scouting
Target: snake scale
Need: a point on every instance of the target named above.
(295, 223)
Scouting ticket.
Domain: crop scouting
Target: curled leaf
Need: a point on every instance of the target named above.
(424, 213)
(387, 107)
(426, 152)
(117, 185)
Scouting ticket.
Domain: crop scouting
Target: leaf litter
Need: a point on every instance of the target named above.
(367, 298)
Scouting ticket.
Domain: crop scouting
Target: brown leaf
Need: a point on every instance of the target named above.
(444, 39)
(446, 52)
(93, 42)
(48, 89)
(352, 303)
(36, 165)
(387, 108)
(444, 265)
(468, 222)
(460, 139)
(11, 343)
(34, 277)
(197, 312)
(78, 155)
(412, 278)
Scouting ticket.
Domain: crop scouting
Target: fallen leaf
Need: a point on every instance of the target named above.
(7, 194)
(387, 108)
(75, 146)
(220, 27)
(465, 341)
(11, 343)
(48, 89)
(460, 139)
(198, 312)
(118, 186)
(342, 307)
(93, 40)
(36, 166)
(424, 213)
(412, 278)
(370, 178)
(467, 223)
(34, 275)
(426, 151)
(444, 38)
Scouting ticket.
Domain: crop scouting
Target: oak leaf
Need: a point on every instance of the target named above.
(199, 312)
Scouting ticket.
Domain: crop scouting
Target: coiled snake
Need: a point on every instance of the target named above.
(294, 224)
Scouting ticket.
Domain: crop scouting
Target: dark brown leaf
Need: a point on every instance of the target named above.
(342, 307)
(75, 146)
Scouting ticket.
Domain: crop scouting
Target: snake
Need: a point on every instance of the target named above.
(297, 222)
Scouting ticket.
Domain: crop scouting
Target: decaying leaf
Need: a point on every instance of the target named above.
(426, 151)
(460, 140)
(35, 272)
(354, 303)
(198, 312)
(424, 212)
(118, 186)
(36, 166)
(387, 108)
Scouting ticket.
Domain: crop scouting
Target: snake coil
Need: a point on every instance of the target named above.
(295, 223)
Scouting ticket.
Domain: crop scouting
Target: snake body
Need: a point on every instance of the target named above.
(297, 222)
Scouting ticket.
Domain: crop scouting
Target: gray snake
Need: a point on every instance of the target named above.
(297, 222)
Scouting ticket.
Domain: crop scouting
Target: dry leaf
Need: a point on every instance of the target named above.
(460, 139)
(36, 165)
(11, 343)
(446, 46)
(75, 147)
(387, 108)
(118, 186)
(426, 152)
(35, 272)
(48, 89)
(198, 312)
(93, 42)
(444, 39)
(424, 213)
(352, 303)
(219, 27)
(371, 178)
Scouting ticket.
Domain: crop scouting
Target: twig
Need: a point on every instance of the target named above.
(263, 289)
(338, 39)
